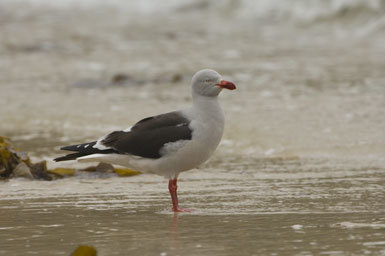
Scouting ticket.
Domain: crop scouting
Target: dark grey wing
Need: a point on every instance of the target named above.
(163, 120)
(148, 136)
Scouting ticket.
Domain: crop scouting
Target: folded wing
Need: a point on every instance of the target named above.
(145, 139)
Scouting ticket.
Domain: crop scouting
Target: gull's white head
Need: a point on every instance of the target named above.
(208, 82)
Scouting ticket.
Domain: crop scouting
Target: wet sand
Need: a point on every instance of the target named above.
(271, 207)
(300, 170)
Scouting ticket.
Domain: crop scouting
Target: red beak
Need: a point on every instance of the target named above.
(226, 85)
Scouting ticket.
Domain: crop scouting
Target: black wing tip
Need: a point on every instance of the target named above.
(80, 150)
(60, 159)
(68, 157)
(70, 148)
(79, 147)
(64, 158)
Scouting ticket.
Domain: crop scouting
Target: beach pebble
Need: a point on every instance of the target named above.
(22, 170)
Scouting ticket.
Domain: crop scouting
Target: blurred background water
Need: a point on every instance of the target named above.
(303, 155)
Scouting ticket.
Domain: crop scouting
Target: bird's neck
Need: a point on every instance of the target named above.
(208, 107)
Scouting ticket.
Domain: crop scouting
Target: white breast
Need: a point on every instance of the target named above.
(207, 125)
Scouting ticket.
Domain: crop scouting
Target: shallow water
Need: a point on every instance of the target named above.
(300, 169)
(270, 207)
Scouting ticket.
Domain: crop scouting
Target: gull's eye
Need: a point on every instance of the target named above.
(208, 81)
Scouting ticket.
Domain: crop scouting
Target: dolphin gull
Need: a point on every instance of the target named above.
(165, 144)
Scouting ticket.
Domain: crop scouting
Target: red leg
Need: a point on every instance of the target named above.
(172, 187)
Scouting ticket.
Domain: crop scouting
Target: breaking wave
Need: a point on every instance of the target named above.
(303, 10)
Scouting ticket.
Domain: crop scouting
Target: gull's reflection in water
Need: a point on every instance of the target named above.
(174, 242)
(174, 227)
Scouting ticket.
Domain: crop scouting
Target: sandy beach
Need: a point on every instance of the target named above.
(299, 171)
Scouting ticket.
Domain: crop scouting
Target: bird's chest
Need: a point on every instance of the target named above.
(207, 133)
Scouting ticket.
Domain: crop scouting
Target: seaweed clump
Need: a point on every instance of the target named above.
(18, 164)
(84, 250)
(14, 163)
